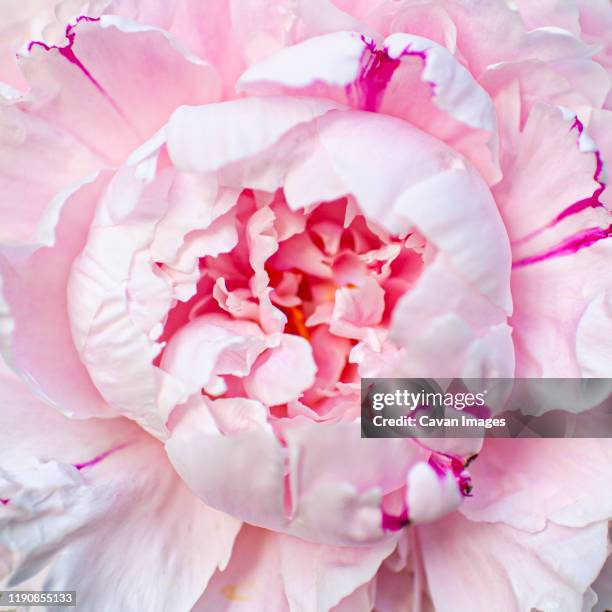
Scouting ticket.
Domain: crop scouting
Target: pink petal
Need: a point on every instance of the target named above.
(356, 310)
(39, 164)
(78, 487)
(119, 86)
(269, 571)
(213, 345)
(39, 343)
(528, 483)
(477, 567)
(593, 353)
(444, 326)
(338, 479)
(430, 496)
(101, 309)
(553, 286)
(241, 474)
(33, 428)
(319, 577)
(252, 579)
(347, 68)
(283, 373)
(547, 13)
(193, 130)
(327, 65)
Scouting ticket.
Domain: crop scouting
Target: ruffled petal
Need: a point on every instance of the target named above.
(320, 577)
(78, 487)
(527, 483)
(559, 228)
(271, 571)
(348, 68)
(477, 567)
(145, 65)
(213, 464)
(252, 579)
(38, 343)
(117, 298)
(39, 166)
(283, 373)
(337, 481)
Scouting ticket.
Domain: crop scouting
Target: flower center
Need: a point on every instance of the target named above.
(325, 275)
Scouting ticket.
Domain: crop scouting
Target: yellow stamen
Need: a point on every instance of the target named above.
(230, 591)
(297, 318)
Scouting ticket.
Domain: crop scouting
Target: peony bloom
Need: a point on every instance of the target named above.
(217, 217)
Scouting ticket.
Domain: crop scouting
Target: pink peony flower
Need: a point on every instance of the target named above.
(217, 217)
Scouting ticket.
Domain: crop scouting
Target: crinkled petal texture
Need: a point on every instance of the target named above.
(94, 505)
(51, 138)
(217, 217)
(560, 227)
(551, 541)
(195, 277)
(53, 148)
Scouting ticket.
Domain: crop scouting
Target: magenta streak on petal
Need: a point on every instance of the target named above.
(68, 53)
(592, 201)
(571, 245)
(391, 522)
(375, 75)
(98, 458)
(4, 501)
(443, 463)
(69, 34)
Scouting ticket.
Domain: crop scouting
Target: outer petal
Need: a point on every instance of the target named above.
(31, 428)
(529, 198)
(252, 580)
(558, 226)
(337, 481)
(60, 139)
(430, 496)
(20, 19)
(108, 289)
(270, 571)
(132, 78)
(474, 566)
(319, 577)
(231, 35)
(95, 490)
(347, 67)
(545, 327)
(39, 344)
(527, 483)
(596, 25)
(550, 13)
(192, 131)
(323, 488)
(37, 164)
(448, 329)
(171, 525)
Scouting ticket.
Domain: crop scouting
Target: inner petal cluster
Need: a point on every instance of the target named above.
(282, 309)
